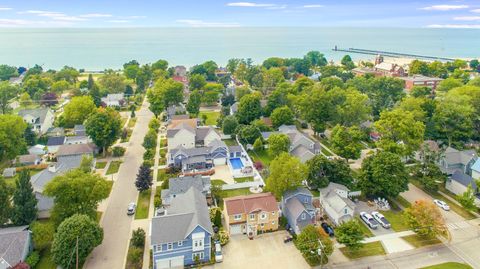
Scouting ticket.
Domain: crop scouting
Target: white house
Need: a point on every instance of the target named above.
(336, 203)
(41, 119)
(114, 100)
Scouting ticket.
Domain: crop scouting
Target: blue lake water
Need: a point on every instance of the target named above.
(97, 49)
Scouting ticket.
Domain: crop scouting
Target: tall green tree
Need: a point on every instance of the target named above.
(12, 142)
(104, 127)
(448, 84)
(194, 102)
(425, 218)
(316, 58)
(112, 82)
(76, 192)
(282, 116)
(77, 234)
(347, 141)
(278, 143)
(24, 200)
(7, 72)
(322, 171)
(163, 94)
(347, 62)
(383, 174)
(286, 173)
(249, 108)
(78, 110)
(467, 199)
(308, 242)
(7, 92)
(5, 204)
(350, 234)
(354, 109)
(197, 82)
(144, 178)
(229, 125)
(42, 234)
(247, 134)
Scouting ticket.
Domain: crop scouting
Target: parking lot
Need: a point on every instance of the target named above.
(363, 206)
(265, 251)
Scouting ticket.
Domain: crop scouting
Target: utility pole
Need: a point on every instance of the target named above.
(320, 252)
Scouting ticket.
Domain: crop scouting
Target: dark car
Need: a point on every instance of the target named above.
(328, 229)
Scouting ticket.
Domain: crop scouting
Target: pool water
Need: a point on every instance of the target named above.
(236, 163)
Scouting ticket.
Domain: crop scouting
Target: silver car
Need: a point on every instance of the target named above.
(131, 209)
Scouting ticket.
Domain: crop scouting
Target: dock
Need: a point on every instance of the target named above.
(393, 54)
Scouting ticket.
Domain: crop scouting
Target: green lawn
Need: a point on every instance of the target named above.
(218, 182)
(366, 231)
(262, 156)
(129, 134)
(368, 249)
(396, 219)
(243, 179)
(449, 265)
(100, 165)
(230, 142)
(143, 204)
(237, 192)
(113, 167)
(162, 175)
(419, 241)
(402, 201)
(11, 181)
(131, 122)
(212, 117)
(163, 152)
(163, 142)
(46, 260)
(455, 207)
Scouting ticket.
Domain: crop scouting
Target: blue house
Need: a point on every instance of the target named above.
(298, 209)
(181, 232)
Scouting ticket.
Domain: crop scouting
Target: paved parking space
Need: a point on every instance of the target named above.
(363, 206)
(265, 251)
(224, 173)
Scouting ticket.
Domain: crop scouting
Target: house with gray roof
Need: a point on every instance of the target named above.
(28, 159)
(41, 179)
(114, 100)
(55, 131)
(180, 185)
(181, 233)
(336, 203)
(15, 245)
(458, 183)
(66, 151)
(9, 172)
(297, 207)
(41, 119)
(453, 160)
(54, 142)
(234, 108)
(301, 146)
(199, 158)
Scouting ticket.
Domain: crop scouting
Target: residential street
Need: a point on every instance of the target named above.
(465, 233)
(115, 222)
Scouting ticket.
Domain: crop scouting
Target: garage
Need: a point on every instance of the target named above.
(174, 262)
(236, 229)
(220, 161)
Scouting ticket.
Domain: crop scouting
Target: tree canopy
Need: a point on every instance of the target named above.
(12, 129)
(104, 127)
(78, 110)
(321, 171)
(286, 173)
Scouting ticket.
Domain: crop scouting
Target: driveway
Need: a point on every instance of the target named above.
(115, 222)
(265, 251)
(224, 173)
(363, 206)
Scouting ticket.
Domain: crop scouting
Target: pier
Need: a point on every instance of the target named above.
(393, 54)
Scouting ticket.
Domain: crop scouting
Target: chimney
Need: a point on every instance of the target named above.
(52, 168)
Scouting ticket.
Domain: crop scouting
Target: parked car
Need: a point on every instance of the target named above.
(369, 220)
(328, 229)
(381, 219)
(131, 209)
(218, 252)
(441, 204)
(287, 239)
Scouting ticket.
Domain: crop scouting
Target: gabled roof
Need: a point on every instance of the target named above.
(190, 122)
(299, 190)
(246, 204)
(335, 201)
(39, 114)
(216, 143)
(295, 207)
(202, 132)
(463, 179)
(14, 244)
(41, 179)
(234, 148)
(182, 184)
(56, 140)
(454, 156)
(28, 158)
(186, 212)
(302, 152)
(75, 149)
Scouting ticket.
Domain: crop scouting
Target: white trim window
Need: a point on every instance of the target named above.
(237, 217)
(304, 216)
(252, 216)
(273, 213)
(157, 248)
(263, 216)
(180, 243)
(169, 246)
(200, 255)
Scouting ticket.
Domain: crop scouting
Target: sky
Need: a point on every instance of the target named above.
(209, 13)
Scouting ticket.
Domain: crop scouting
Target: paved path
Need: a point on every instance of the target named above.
(115, 222)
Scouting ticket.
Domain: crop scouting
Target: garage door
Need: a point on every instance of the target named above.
(175, 262)
(235, 229)
(219, 161)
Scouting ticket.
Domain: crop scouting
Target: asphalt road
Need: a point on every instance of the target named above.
(116, 224)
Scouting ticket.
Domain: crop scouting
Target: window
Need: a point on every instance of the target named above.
(180, 243)
(304, 216)
(157, 248)
(273, 222)
(261, 225)
(252, 216)
(263, 216)
(273, 213)
(197, 244)
(169, 246)
(345, 211)
(198, 254)
(237, 217)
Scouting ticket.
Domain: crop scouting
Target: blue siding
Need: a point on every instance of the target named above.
(185, 250)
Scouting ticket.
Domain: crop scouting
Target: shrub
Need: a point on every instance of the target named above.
(32, 259)
(157, 201)
(149, 154)
(223, 237)
(216, 216)
(258, 165)
(150, 140)
(165, 184)
(304, 125)
(148, 163)
(154, 124)
(118, 151)
(138, 238)
(283, 221)
(135, 257)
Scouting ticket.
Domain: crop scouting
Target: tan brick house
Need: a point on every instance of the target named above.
(251, 214)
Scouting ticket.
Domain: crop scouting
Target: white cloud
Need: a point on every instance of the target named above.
(313, 6)
(136, 17)
(200, 23)
(10, 23)
(5, 8)
(249, 4)
(96, 15)
(445, 7)
(68, 18)
(467, 18)
(119, 21)
(6, 23)
(455, 26)
(475, 10)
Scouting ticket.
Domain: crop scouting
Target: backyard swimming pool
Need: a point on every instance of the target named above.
(236, 163)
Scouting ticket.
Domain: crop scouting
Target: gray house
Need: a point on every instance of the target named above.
(180, 185)
(41, 118)
(297, 207)
(15, 245)
(459, 182)
(182, 233)
(336, 203)
(200, 158)
(453, 160)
